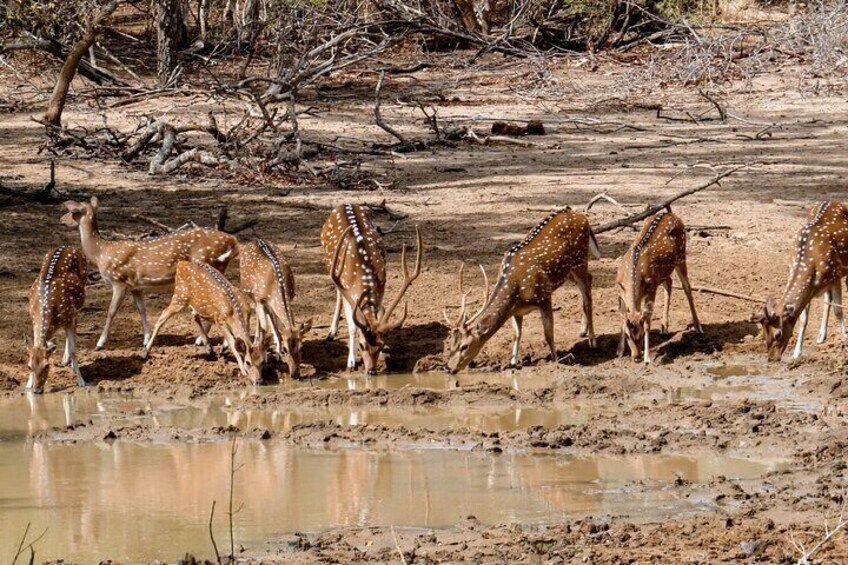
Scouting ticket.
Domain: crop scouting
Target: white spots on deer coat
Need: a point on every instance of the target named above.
(58, 294)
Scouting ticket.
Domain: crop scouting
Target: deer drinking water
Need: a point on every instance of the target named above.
(356, 259)
(658, 251)
(55, 300)
(267, 278)
(556, 249)
(818, 267)
(212, 298)
(139, 267)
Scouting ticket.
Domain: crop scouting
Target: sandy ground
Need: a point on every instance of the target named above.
(471, 202)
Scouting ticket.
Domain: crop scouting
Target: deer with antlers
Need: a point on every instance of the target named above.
(139, 267)
(55, 299)
(268, 279)
(356, 259)
(556, 249)
(213, 299)
(818, 267)
(658, 251)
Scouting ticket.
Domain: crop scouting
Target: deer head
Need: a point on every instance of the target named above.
(80, 212)
(633, 325)
(373, 326)
(777, 328)
(292, 340)
(465, 340)
(38, 364)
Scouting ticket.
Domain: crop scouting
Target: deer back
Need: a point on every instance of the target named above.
(364, 255)
(266, 276)
(153, 262)
(58, 294)
(658, 248)
(535, 267)
(821, 254)
(212, 296)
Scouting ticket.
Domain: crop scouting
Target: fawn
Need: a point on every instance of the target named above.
(212, 298)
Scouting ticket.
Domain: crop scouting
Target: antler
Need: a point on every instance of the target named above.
(407, 280)
(485, 294)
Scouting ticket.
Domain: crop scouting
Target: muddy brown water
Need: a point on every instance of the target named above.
(135, 502)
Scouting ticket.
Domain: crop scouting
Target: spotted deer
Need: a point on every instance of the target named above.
(555, 250)
(356, 260)
(139, 267)
(213, 299)
(267, 278)
(658, 251)
(55, 299)
(818, 267)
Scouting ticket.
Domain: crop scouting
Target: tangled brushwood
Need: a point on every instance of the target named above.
(261, 64)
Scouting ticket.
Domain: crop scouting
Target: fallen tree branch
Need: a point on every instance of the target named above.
(720, 292)
(602, 196)
(379, 117)
(650, 210)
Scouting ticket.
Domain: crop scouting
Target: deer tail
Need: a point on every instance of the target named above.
(594, 249)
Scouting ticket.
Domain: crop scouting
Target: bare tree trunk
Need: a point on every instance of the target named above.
(469, 15)
(171, 35)
(251, 23)
(56, 105)
(203, 18)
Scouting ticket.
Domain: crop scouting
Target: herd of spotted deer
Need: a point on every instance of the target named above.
(558, 248)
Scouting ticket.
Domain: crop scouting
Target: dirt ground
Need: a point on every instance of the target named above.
(470, 203)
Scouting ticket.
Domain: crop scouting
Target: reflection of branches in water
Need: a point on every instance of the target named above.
(231, 512)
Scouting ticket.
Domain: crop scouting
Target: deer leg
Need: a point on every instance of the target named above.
(799, 345)
(66, 358)
(203, 336)
(583, 280)
(828, 297)
(71, 340)
(622, 344)
(837, 308)
(230, 339)
(272, 322)
(351, 339)
(516, 325)
(682, 272)
(646, 346)
(337, 314)
(138, 299)
(547, 313)
(172, 309)
(118, 293)
(666, 307)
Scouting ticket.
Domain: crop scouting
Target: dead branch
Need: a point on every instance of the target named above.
(722, 113)
(598, 198)
(727, 293)
(383, 208)
(650, 210)
(379, 118)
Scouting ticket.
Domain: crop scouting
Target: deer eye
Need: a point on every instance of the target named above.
(464, 347)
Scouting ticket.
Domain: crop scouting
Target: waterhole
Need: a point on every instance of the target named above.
(138, 502)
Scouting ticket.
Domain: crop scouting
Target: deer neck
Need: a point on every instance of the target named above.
(799, 292)
(90, 239)
(499, 308)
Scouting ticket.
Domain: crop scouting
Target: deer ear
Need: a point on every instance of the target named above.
(788, 310)
(621, 306)
(71, 205)
(51, 347)
(241, 346)
(647, 309)
(306, 326)
(95, 203)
